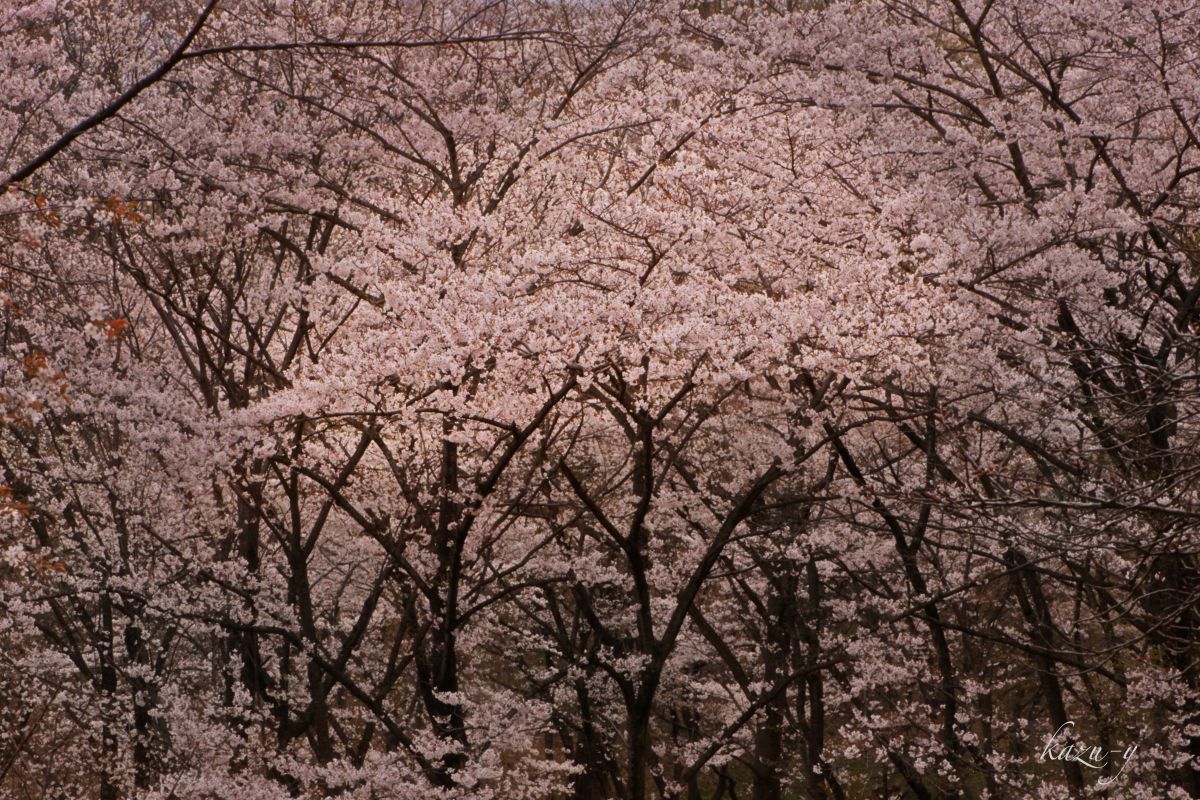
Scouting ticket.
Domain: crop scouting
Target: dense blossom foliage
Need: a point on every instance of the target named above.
(599, 399)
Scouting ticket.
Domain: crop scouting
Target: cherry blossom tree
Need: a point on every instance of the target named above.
(599, 399)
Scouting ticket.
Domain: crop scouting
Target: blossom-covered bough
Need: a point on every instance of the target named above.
(598, 400)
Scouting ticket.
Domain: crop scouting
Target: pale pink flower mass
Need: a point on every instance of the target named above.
(548, 399)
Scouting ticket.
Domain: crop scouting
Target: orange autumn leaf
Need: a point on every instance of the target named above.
(52, 566)
(20, 508)
(46, 213)
(123, 209)
(114, 327)
(33, 364)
